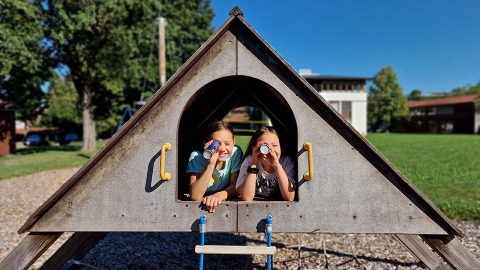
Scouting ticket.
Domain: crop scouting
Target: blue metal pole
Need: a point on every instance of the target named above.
(202, 229)
(268, 230)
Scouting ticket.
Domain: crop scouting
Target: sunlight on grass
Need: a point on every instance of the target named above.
(35, 159)
(443, 167)
(242, 141)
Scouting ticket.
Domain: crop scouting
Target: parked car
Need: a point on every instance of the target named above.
(33, 139)
(70, 137)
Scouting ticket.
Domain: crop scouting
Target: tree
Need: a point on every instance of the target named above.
(106, 46)
(23, 57)
(466, 90)
(386, 102)
(415, 95)
(62, 109)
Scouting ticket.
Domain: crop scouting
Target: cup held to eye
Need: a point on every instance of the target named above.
(264, 149)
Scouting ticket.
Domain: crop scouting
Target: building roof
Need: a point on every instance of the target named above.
(308, 74)
(443, 101)
(333, 77)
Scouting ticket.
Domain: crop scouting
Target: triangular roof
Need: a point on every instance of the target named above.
(354, 189)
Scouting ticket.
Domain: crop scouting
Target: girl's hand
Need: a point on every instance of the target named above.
(214, 158)
(212, 202)
(256, 155)
(271, 158)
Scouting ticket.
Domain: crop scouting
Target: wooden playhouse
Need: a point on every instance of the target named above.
(136, 181)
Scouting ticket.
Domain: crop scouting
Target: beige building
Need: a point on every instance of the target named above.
(347, 95)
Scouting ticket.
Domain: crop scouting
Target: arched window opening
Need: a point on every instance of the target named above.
(245, 103)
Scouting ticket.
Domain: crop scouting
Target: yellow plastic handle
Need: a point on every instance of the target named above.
(308, 147)
(163, 174)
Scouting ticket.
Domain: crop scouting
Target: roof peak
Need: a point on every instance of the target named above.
(236, 11)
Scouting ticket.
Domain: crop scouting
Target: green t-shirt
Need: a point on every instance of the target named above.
(220, 178)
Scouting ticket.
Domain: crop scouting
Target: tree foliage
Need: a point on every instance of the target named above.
(467, 90)
(63, 108)
(386, 102)
(415, 95)
(24, 58)
(106, 48)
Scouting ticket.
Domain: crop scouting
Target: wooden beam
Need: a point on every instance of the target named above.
(74, 248)
(422, 251)
(28, 251)
(452, 251)
(235, 250)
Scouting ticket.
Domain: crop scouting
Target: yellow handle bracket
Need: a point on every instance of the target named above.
(164, 175)
(308, 147)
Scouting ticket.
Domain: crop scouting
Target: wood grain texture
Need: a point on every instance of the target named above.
(28, 251)
(422, 251)
(452, 251)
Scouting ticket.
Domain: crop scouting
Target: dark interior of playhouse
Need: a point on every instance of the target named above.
(214, 101)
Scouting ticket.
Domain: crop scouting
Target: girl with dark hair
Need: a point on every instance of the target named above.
(217, 175)
(265, 172)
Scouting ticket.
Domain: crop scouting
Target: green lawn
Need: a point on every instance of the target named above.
(242, 141)
(35, 159)
(446, 168)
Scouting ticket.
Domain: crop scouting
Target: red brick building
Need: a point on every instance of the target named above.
(460, 114)
(7, 128)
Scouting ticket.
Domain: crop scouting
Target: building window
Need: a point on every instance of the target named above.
(442, 110)
(347, 110)
(445, 110)
(446, 126)
(344, 108)
(418, 111)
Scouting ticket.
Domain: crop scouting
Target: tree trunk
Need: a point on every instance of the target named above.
(89, 131)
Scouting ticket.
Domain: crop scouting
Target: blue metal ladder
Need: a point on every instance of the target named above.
(235, 250)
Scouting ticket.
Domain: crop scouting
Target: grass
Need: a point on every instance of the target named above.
(445, 168)
(35, 159)
(242, 141)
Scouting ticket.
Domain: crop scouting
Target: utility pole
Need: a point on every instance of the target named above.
(161, 50)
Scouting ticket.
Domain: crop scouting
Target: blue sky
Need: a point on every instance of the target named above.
(432, 45)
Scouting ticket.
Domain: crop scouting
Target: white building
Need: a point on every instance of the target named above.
(348, 95)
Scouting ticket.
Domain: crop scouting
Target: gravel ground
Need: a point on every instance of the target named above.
(23, 195)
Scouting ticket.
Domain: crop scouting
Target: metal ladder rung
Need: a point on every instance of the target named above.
(203, 249)
(236, 250)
